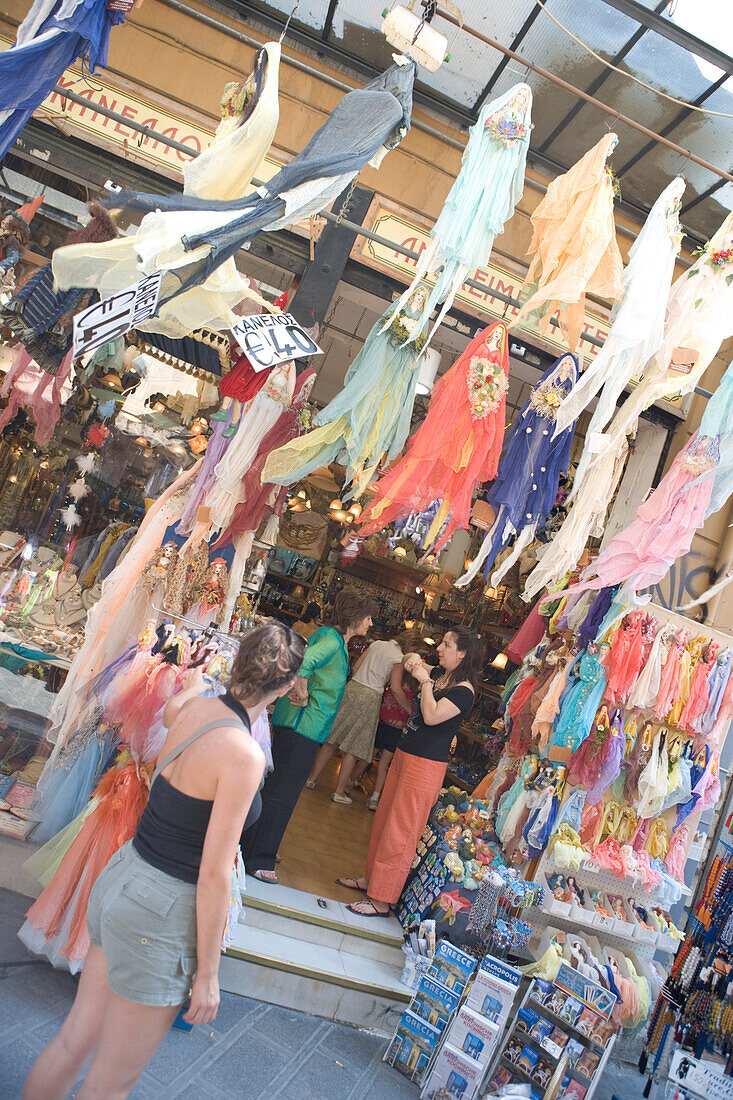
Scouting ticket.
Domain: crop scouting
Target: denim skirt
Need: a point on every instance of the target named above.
(145, 922)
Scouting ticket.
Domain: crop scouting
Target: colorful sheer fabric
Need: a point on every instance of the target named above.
(456, 446)
(663, 526)
(223, 171)
(699, 699)
(369, 420)
(625, 658)
(56, 923)
(34, 389)
(643, 694)
(638, 320)
(259, 497)
(574, 245)
(580, 703)
(49, 39)
(259, 417)
(610, 766)
(566, 849)
(108, 632)
(524, 491)
(699, 318)
(677, 854)
(480, 202)
(717, 684)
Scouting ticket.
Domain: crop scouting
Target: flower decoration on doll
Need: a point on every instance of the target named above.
(487, 384)
(452, 904)
(508, 129)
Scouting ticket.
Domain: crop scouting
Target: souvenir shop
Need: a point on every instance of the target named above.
(163, 488)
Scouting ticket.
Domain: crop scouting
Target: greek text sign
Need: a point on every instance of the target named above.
(113, 317)
(269, 339)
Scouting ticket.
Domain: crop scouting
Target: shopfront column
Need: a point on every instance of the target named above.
(323, 273)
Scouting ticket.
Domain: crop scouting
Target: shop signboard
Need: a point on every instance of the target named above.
(271, 338)
(111, 318)
(586, 991)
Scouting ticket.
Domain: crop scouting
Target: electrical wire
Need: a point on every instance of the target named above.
(630, 76)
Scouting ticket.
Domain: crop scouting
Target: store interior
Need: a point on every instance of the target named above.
(568, 899)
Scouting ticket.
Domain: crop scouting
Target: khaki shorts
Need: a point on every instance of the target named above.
(145, 922)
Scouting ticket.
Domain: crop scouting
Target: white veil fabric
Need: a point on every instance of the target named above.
(638, 321)
(223, 171)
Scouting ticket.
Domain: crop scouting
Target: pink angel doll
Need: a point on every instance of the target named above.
(677, 854)
(625, 658)
(671, 677)
(699, 698)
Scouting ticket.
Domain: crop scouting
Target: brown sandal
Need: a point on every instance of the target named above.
(350, 884)
(360, 913)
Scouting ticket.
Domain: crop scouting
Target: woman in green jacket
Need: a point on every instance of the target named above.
(302, 723)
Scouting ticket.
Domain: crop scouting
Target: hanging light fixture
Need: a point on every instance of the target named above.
(500, 661)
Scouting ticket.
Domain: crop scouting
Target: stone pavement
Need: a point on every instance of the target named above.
(252, 1050)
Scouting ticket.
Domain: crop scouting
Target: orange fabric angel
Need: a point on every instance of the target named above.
(457, 445)
(574, 245)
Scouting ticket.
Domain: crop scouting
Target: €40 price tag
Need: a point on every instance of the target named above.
(268, 339)
(111, 318)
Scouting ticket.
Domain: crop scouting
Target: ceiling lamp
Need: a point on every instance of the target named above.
(300, 502)
(429, 363)
(412, 34)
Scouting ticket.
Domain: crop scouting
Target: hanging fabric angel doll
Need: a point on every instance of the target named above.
(258, 499)
(250, 114)
(192, 237)
(574, 245)
(638, 320)
(480, 203)
(259, 417)
(699, 318)
(697, 484)
(525, 489)
(456, 446)
(369, 420)
(48, 40)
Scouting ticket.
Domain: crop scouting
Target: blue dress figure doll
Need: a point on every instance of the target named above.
(580, 703)
(524, 491)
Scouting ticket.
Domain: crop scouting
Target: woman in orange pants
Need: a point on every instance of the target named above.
(417, 772)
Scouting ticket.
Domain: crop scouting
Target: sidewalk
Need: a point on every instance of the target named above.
(252, 1050)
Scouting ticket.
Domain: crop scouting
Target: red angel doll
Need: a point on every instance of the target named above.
(457, 445)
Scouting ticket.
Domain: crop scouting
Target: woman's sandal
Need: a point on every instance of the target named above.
(360, 913)
(267, 876)
(350, 884)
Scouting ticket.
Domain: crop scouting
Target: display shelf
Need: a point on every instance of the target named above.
(456, 782)
(563, 1025)
(287, 577)
(526, 1037)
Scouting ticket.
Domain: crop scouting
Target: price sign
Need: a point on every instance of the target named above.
(269, 339)
(105, 321)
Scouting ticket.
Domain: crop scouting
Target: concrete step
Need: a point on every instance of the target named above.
(311, 977)
(311, 953)
(322, 921)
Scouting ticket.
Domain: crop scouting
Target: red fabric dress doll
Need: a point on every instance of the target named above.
(457, 445)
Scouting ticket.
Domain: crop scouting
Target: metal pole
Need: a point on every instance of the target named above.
(359, 230)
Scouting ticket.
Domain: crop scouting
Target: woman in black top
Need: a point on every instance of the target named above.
(418, 770)
(157, 912)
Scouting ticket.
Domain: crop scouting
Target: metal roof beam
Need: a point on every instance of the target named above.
(516, 41)
(703, 196)
(678, 118)
(599, 81)
(667, 29)
(325, 33)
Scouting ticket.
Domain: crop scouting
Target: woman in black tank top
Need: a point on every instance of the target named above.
(158, 910)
